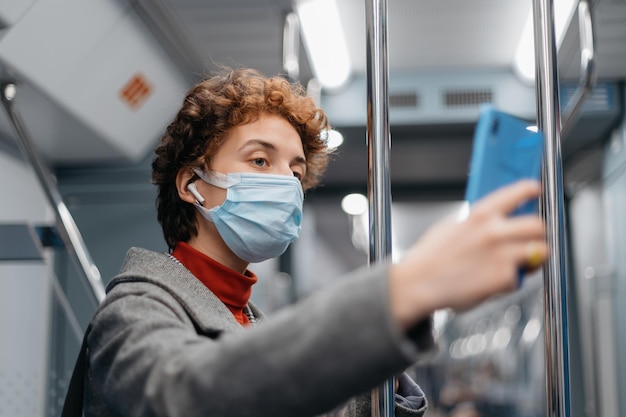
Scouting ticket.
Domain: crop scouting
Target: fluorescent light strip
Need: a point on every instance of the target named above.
(324, 41)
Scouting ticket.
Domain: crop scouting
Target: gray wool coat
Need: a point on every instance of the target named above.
(162, 344)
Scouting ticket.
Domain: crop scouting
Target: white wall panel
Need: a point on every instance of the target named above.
(25, 295)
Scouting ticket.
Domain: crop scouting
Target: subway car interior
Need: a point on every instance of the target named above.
(88, 89)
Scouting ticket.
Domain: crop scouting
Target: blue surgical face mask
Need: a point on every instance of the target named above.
(262, 213)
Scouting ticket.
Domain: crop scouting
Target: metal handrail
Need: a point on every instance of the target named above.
(587, 68)
(378, 143)
(66, 226)
(552, 207)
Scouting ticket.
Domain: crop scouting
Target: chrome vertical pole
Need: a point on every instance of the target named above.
(378, 144)
(555, 300)
(65, 222)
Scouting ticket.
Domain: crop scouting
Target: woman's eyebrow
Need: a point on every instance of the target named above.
(299, 160)
(252, 142)
(270, 147)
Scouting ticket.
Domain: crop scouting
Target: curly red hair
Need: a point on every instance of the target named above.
(211, 108)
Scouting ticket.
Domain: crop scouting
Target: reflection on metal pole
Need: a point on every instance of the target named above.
(65, 223)
(378, 143)
(555, 300)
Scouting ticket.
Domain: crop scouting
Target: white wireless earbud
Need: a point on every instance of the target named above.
(193, 190)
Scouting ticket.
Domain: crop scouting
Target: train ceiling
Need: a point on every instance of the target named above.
(423, 34)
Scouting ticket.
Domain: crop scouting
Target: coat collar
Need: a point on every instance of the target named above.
(205, 309)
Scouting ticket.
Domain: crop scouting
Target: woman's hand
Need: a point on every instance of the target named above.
(459, 264)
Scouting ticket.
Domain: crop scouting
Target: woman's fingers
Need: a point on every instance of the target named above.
(516, 228)
(459, 264)
(491, 216)
(507, 199)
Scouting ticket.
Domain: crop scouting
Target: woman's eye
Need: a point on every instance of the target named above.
(297, 175)
(259, 162)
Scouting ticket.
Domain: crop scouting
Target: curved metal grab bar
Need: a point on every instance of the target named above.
(291, 46)
(587, 68)
(68, 230)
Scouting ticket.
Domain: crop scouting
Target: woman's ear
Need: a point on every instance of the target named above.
(183, 178)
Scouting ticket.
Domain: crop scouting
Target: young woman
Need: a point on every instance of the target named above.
(177, 335)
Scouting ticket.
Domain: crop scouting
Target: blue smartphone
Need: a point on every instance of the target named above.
(506, 149)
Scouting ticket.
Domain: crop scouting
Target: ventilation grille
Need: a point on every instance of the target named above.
(601, 98)
(465, 98)
(405, 100)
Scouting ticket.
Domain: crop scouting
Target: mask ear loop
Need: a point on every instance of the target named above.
(216, 178)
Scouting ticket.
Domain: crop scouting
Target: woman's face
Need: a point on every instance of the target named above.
(269, 145)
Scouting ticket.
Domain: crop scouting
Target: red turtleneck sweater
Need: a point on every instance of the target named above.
(230, 286)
